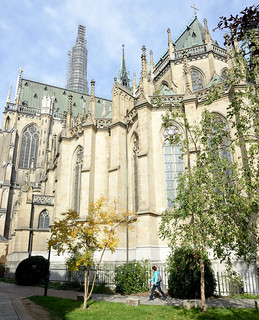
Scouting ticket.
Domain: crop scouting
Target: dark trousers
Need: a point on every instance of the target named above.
(159, 289)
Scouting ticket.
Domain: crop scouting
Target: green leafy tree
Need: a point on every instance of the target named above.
(81, 238)
(183, 263)
(211, 209)
(242, 41)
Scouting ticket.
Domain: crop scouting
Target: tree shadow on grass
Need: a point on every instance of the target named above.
(59, 307)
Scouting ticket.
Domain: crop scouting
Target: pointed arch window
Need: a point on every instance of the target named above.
(173, 165)
(29, 147)
(78, 161)
(135, 172)
(197, 79)
(224, 73)
(43, 220)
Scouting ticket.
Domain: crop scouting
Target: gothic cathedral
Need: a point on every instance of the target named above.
(62, 148)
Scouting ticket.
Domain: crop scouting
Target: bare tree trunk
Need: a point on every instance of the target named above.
(86, 285)
(98, 266)
(203, 301)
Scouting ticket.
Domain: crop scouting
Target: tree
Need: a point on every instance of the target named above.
(210, 209)
(244, 29)
(81, 238)
(242, 41)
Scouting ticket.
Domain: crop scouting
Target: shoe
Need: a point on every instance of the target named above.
(150, 299)
(165, 299)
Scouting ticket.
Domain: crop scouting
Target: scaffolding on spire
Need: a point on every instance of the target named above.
(77, 64)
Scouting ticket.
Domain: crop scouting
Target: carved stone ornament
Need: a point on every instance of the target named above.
(45, 200)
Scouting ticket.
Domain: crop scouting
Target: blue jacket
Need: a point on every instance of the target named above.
(155, 277)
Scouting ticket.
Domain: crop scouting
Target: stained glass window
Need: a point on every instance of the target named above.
(224, 149)
(197, 80)
(174, 165)
(29, 147)
(44, 220)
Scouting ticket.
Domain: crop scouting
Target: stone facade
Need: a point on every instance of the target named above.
(80, 147)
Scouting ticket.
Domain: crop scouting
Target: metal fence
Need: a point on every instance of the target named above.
(225, 285)
(248, 283)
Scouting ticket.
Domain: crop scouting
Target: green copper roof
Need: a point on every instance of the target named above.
(193, 35)
(216, 79)
(166, 91)
(33, 92)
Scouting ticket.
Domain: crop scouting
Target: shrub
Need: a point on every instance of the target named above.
(32, 271)
(184, 275)
(2, 266)
(132, 277)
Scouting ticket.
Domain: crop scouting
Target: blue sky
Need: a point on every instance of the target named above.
(37, 34)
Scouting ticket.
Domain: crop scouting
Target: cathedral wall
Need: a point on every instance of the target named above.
(40, 240)
(117, 165)
(101, 177)
(63, 185)
(219, 66)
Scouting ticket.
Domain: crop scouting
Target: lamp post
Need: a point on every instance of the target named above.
(127, 192)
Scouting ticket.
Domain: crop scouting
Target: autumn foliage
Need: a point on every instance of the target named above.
(81, 238)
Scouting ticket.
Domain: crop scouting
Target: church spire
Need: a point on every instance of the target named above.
(123, 75)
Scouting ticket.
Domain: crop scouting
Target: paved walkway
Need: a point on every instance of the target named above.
(11, 307)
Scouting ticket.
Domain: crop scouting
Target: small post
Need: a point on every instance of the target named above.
(47, 277)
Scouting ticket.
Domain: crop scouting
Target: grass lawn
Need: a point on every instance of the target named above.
(70, 309)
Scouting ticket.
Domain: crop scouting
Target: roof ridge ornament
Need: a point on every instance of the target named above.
(195, 10)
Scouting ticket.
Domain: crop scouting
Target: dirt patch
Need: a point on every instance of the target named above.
(35, 311)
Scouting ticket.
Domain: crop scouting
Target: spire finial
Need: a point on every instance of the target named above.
(144, 70)
(194, 8)
(170, 42)
(151, 62)
(123, 64)
(207, 36)
(134, 83)
(8, 99)
(92, 88)
(18, 87)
